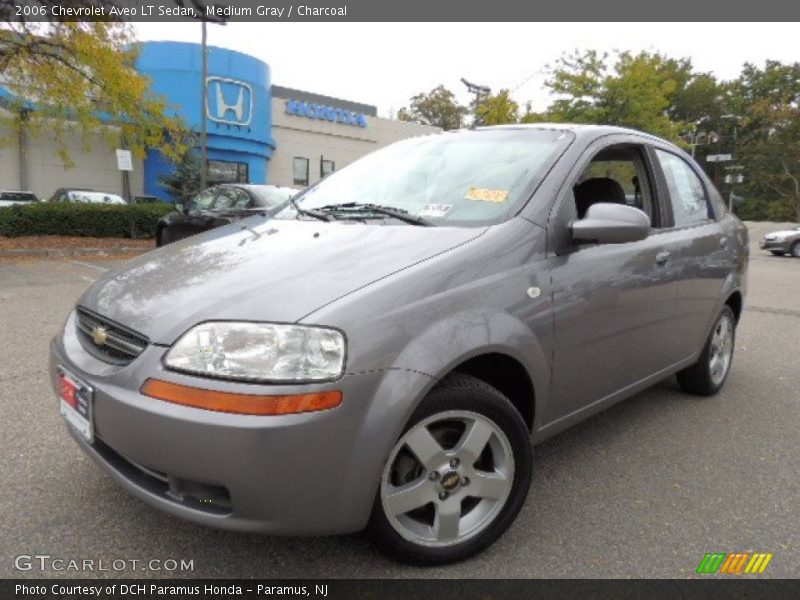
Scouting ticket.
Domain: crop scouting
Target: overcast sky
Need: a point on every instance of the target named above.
(384, 64)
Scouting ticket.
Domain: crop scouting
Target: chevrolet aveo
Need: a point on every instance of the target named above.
(386, 350)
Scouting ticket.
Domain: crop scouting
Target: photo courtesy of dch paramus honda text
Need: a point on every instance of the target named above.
(385, 350)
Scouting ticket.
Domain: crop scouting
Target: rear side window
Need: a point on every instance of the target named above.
(690, 204)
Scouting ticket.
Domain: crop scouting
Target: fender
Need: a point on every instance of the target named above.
(457, 338)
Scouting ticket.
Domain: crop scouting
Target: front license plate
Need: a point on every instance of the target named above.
(75, 399)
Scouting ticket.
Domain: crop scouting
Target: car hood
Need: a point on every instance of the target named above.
(267, 270)
(784, 233)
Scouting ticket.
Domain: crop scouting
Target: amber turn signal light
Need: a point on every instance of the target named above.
(243, 404)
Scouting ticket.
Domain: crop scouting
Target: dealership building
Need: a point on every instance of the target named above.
(256, 132)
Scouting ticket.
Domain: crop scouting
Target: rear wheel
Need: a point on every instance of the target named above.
(707, 376)
(795, 249)
(457, 477)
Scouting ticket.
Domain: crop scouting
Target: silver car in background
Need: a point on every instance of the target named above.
(385, 350)
(782, 242)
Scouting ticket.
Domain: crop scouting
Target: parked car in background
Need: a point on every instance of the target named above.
(385, 350)
(220, 205)
(61, 194)
(783, 242)
(86, 197)
(16, 198)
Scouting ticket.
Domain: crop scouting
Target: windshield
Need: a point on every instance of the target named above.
(18, 197)
(270, 196)
(459, 178)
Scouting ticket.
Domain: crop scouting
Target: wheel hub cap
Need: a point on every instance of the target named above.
(451, 481)
(721, 349)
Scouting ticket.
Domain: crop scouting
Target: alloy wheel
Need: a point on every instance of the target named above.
(721, 349)
(447, 478)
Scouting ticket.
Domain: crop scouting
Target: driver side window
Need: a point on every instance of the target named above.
(617, 175)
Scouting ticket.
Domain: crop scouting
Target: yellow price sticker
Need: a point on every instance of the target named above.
(487, 195)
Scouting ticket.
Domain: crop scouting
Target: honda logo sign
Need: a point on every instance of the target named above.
(229, 101)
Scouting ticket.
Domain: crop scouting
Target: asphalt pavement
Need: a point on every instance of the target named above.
(644, 489)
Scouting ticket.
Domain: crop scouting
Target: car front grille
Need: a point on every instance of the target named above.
(106, 340)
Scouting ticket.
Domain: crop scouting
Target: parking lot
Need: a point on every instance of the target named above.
(642, 490)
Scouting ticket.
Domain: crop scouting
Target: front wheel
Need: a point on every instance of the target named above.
(707, 376)
(457, 477)
(795, 249)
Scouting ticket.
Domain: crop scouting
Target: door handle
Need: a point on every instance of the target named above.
(663, 257)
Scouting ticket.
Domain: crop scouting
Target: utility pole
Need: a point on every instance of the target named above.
(203, 102)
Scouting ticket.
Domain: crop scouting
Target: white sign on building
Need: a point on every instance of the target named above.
(124, 160)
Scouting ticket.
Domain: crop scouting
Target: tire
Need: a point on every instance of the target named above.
(501, 474)
(707, 376)
(795, 249)
(776, 252)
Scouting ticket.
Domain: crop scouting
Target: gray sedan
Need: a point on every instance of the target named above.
(782, 242)
(385, 351)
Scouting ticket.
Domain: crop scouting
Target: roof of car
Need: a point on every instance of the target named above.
(588, 129)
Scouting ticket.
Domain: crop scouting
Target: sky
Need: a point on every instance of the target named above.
(384, 64)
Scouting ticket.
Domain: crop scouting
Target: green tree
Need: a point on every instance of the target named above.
(768, 145)
(632, 90)
(497, 109)
(438, 107)
(81, 76)
(183, 182)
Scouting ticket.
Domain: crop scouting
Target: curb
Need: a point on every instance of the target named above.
(68, 252)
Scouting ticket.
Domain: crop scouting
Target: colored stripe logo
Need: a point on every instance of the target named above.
(734, 563)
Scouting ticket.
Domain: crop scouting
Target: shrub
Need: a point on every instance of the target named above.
(89, 220)
(755, 209)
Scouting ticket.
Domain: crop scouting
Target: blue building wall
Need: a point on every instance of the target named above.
(238, 104)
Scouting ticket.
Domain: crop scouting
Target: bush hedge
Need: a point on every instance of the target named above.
(88, 220)
(755, 209)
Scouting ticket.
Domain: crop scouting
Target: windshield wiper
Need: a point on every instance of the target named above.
(310, 212)
(396, 213)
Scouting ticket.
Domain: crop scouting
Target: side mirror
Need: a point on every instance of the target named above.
(179, 207)
(607, 223)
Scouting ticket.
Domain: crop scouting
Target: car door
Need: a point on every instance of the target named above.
(613, 303)
(704, 258)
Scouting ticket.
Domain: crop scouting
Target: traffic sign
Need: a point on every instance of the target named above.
(719, 157)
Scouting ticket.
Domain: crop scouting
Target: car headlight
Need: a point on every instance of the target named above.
(259, 352)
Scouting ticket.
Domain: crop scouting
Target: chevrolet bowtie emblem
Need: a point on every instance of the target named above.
(99, 335)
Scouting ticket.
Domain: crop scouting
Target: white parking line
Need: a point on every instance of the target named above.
(90, 265)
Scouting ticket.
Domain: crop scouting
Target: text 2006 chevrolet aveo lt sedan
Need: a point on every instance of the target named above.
(384, 352)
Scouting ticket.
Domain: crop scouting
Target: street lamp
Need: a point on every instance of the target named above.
(478, 90)
(739, 177)
(200, 6)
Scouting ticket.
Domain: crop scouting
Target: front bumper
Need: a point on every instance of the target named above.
(774, 245)
(303, 474)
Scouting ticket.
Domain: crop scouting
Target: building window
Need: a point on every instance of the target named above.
(300, 171)
(223, 171)
(326, 167)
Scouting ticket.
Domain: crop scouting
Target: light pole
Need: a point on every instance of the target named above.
(738, 177)
(478, 90)
(203, 101)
